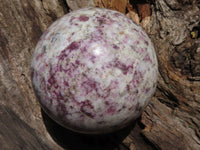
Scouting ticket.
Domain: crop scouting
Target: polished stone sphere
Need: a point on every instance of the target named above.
(94, 71)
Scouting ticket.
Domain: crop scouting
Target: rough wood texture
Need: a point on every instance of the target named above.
(171, 120)
(74, 4)
(119, 5)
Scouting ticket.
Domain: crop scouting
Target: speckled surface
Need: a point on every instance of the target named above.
(94, 70)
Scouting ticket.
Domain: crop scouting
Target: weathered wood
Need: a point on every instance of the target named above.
(21, 25)
(119, 5)
(170, 121)
(77, 4)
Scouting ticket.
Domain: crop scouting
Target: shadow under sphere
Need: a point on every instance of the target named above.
(78, 141)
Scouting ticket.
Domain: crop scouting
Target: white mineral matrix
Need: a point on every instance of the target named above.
(94, 70)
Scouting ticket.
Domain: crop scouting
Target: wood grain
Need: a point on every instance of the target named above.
(170, 121)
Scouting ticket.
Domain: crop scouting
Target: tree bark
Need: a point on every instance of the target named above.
(170, 121)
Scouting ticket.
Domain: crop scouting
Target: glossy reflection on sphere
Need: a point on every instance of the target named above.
(94, 70)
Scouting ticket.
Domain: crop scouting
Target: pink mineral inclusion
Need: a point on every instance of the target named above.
(94, 70)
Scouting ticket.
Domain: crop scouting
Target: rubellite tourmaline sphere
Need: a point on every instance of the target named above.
(94, 70)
